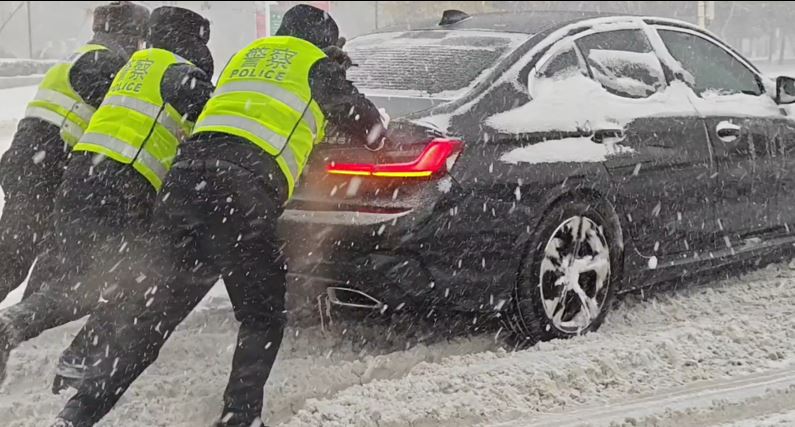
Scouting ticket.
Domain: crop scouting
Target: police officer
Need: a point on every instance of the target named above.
(104, 203)
(32, 168)
(220, 203)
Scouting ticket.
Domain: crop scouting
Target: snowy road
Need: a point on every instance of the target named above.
(716, 355)
(712, 355)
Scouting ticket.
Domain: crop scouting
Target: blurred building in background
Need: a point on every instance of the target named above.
(56, 28)
(761, 30)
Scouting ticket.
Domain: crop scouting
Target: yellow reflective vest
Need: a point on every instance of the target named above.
(263, 95)
(134, 125)
(56, 102)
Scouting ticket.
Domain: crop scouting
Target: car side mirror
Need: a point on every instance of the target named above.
(785, 90)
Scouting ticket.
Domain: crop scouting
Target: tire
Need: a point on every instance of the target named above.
(559, 296)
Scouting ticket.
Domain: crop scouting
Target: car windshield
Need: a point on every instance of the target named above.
(415, 70)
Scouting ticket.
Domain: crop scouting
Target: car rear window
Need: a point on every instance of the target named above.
(426, 63)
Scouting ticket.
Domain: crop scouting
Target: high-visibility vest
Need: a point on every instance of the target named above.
(57, 102)
(134, 125)
(263, 95)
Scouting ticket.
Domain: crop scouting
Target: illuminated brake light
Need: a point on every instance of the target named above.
(436, 158)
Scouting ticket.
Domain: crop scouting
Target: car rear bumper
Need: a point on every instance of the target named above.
(392, 280)
(340, 217)
(408, 257)
(309, 232)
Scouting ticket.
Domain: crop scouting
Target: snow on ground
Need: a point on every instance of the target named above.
(786, 419)
(726, 330)
(688, 344)
(714, 355)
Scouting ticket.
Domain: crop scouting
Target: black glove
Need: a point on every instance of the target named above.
(336, 54)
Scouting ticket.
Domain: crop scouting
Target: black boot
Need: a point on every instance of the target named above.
(71, 371)
(65, 422)
(231, 419)
(81, 361)
(77, 413)
(61, 383)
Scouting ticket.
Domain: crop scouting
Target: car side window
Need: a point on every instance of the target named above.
(623, 62)
(563, 64)
(712, 67)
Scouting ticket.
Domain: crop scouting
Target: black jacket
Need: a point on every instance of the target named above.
(187, 89)
(342, 104)
(37, 155)
(92, 74)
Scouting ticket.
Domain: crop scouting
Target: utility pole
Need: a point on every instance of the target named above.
(706, 13)
(30, 32)
(375, 8)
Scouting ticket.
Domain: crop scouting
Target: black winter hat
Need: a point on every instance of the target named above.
(311, 24)
(169, 21)
(121, 17)
(183, 32)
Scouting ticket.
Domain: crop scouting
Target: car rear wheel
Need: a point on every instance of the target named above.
(569, 273)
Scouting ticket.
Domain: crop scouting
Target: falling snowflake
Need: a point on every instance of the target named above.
(39, 157)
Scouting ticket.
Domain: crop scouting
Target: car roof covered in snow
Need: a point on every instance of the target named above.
(529, 22)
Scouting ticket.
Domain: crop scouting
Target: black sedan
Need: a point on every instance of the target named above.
(543, 163)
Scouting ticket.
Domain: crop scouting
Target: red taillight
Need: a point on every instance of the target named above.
(432, 161)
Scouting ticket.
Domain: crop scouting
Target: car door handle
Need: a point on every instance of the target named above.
(600, 135)
(728, 131)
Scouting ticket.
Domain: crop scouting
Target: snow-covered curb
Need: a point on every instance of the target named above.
(19, 81)
(11, 67)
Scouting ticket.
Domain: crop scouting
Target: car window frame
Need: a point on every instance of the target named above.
(709, 39)
(560, 45)
(557, 50)
(664, 81)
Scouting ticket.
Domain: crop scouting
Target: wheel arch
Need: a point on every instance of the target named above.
(595, 186)
(531, 244)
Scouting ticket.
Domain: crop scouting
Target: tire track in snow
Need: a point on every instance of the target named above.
(666, 403)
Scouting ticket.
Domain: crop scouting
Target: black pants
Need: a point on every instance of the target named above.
(30, 173)
(215, 221)
(101, 214)
(25, 233)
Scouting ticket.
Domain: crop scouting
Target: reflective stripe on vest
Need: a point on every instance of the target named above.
(277, 141)
(70, 131)
(129, 152)
(81, 110)
(147, 109)
(263, 95)
(57, 103)
(134, 125)
(270, 89)
(288, 157)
